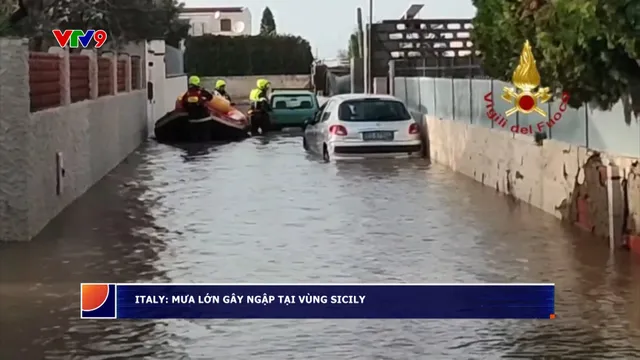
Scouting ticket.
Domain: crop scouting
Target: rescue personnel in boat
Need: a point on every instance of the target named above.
(194, 100)
(221, 88)
(260, 107)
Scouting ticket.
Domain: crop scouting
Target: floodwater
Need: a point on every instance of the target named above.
(264, 211)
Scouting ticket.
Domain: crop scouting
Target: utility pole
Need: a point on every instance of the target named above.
(365, 60)
(367, 64)
(360, 34)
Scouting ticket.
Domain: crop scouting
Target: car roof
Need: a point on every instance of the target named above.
(346, 97)
(291, 92)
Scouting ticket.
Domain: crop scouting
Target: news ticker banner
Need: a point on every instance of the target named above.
(317, 301)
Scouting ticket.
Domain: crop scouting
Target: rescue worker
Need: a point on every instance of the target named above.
(221, 88)
(194, 100)
(260, 107)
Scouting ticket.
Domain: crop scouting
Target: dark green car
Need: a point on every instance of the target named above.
(290, 108)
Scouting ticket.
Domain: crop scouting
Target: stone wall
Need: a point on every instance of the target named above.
(580, 165)
(596, 190)
(51, 157)
(589, 188)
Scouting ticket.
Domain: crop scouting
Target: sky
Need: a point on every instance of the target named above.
(327, 24)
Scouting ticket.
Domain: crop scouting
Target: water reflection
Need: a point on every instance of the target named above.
(380, 169)
(194, 151)
(263, 211)
(108, 235)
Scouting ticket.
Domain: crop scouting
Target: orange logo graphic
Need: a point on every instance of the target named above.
(93, 296)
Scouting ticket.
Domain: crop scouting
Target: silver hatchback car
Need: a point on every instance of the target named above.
(362, 125)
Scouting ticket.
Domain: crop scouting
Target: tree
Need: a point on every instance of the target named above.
(247, 55)
(124, 21)
(585, 47)
(267, 23)
(353, 48)
(5, 13)
(354, 45)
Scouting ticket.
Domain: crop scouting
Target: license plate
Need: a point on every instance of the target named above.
(378, 136)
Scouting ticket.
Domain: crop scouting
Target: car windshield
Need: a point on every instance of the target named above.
(373, 110)
(292, 102)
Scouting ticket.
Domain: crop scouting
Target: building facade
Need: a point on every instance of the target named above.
(229, 21)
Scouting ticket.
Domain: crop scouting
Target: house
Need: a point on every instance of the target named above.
(230, 21)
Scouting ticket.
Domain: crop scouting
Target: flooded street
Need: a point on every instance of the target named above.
(264, 211)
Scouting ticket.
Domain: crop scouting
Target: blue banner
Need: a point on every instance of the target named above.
(318, 301)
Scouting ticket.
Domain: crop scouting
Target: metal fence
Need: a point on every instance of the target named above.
(616, 131)
(439, 67)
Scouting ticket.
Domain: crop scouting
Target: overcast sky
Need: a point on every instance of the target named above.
(328, 23)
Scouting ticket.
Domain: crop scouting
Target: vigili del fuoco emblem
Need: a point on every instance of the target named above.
(525, 99)
(526, 79)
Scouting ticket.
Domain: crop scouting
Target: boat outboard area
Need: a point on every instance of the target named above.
(223, 122)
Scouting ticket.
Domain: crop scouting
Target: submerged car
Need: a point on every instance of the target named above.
(361, 125)
(290, 108)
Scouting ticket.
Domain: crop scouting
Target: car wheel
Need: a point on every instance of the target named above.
(304, 143)
(325, 153)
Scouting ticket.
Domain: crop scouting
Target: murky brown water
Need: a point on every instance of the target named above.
(263, 211)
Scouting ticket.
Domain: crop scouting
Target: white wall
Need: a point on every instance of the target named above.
(165, 89)
(173, 87)
(207, 23)
(156, 73)
(380, 85)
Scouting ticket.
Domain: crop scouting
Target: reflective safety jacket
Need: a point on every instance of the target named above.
(258, 99)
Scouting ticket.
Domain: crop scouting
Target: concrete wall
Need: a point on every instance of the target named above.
(380, 85)
(553, 177)
(239, 87)
(156, 74)
(597, 190)
(51, 157)
(173, 61)
(174, 86)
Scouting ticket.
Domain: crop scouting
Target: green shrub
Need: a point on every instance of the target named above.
(586, 47)
(213, 55)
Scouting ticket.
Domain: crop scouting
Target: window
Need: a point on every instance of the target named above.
(331, 108)
(197, 29)
(292, 102)
(372, 109)
(318, 115)
(225, 25)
